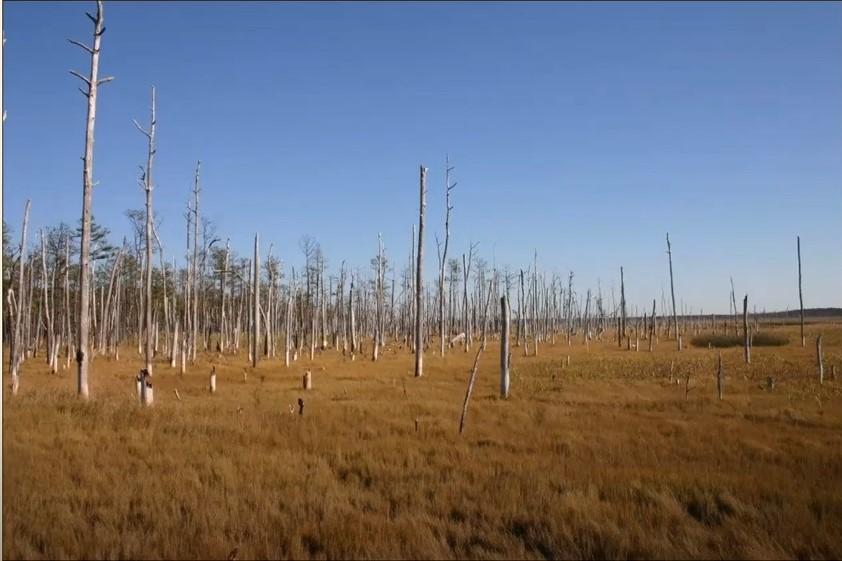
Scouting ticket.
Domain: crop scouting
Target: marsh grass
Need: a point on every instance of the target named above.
(764, 339)
(603, 458)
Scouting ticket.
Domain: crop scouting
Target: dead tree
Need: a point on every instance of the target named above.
(194, 290)
(746, 345)
(719, 377)
(473, 377)
(255, 334)
(504, 348)
(621, 334)
(800, 293)
(419, 284)
(443, 253)
(16, 346)
(652, 326)
(93, 82)
(672, 292)
(819, 359)
(146, 183)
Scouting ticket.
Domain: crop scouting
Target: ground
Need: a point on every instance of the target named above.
(603, 458)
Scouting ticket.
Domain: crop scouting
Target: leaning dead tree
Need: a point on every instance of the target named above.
(146, 183)
(419, 279)
(473, 377)
(93, 82)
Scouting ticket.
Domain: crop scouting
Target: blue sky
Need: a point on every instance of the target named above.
(583, 130)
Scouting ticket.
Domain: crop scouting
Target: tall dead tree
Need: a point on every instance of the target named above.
(194, 289)
(146, 183)
(672, 293)
(93, 82)
(622, 330)
(419, 279)
(16, 346)
(800, 294)
(255, 334)
(443, 252)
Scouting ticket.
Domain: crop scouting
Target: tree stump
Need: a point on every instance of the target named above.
(300, 406)
(212, 381)
(307, 380)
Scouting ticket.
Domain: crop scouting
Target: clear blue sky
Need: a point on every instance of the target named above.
(586, 131)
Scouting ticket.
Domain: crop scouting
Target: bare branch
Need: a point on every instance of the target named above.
(81, 77)
(141, 129)
(81, 45)
(105, 80)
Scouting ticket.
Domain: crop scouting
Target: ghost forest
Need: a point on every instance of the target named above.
(73, 311)
(572, 378)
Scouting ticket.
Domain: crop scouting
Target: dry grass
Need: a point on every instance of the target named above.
(604, 458)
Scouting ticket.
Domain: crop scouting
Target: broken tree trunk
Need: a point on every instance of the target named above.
(819, 359)
(746, 345)
(504, 349)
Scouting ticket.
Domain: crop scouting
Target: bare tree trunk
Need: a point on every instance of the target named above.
(819, 360)
(672, 292)
(504, 349)
(652, 327)
(473, 377)
(801, 294)
(746, 346)
(622, 331)
(256, 290)
(15, 353)
(443, 257)
(719, 377)
(146, 182)
(93, 82)
(419, 284)
(194, 336)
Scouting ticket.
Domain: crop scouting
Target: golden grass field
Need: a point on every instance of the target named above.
(604, 458)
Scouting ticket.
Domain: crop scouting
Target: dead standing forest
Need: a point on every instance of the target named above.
(76, 299)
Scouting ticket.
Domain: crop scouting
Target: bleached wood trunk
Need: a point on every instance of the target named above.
(287, 336)
(16, 339)
(473, 378)
(672, 293)
(93, 82)
(504, 349)
(801, 294)
(307, 381)
(419, 279)
(212, 381)
(746, 345)
(148, 350)
(819, 359)
(256, 291)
